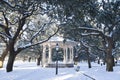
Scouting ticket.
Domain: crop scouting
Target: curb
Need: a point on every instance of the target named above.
(88, 76)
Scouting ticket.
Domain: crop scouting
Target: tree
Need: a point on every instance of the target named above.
(16, 20)
(107, 27)
(87, 50)
(93, 18)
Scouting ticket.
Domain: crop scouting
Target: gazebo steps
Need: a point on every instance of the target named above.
(60, 65)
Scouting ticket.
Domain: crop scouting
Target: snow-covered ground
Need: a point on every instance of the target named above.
(29, 71)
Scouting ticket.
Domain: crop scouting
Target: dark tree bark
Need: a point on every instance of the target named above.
(98, 61)
(10, 63)
(89, 61)
(109, 66)
(38, 61)
(109, 56)
(29, 59)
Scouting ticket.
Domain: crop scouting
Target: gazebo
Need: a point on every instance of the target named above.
(67, 51)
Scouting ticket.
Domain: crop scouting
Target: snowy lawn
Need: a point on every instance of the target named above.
(29, 71)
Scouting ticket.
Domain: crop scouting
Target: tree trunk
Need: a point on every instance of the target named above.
(10, 63)
(98, 61)
(109, 56)
(109, 66)
(38, 61)
(89, 62)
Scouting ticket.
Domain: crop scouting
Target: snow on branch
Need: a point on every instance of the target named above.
(40, 30)
(6, 20)
(88, 34)
(39, 42)
(90, 29)
(94, 31)
(88, 48)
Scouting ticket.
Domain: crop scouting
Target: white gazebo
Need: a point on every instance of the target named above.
(68, 53)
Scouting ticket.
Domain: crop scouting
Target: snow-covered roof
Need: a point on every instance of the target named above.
(60, 39)
(56, 38)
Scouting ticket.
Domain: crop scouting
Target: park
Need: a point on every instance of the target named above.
(59, 39)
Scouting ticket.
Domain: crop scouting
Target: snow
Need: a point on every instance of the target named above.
(23, 46)
(58, 38)
(29, 71)
(83, 34)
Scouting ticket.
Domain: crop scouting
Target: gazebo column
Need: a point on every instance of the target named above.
(44, 56)
(71, 55)
(50, 55)
(64, 57)
(66, 54)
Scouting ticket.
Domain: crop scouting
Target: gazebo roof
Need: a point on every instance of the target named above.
(56, 38)
(60, 39)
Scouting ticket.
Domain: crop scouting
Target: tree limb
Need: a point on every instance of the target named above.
(40, 42)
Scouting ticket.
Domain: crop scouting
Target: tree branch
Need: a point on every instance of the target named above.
(7, 3)
(2, 26)
(5, 35)
(40, 42)
(6, 20)
(89, 34)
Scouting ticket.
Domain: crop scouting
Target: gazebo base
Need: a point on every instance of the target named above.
(60, 65)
